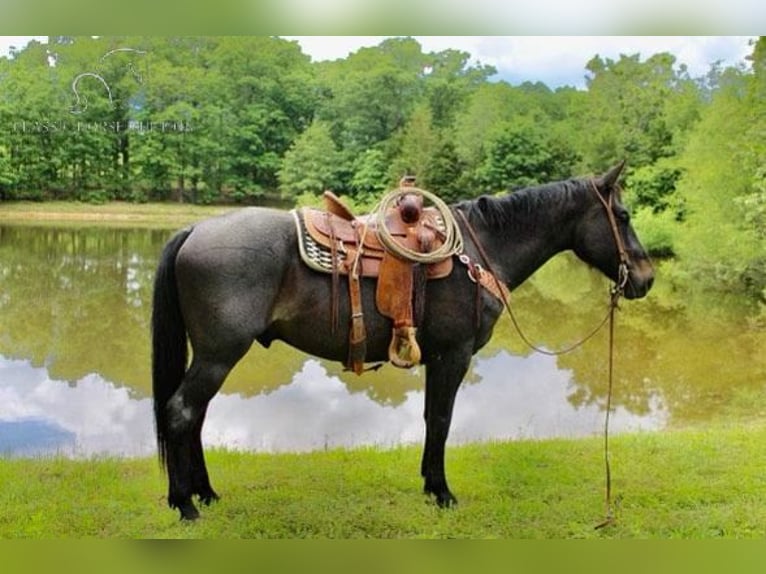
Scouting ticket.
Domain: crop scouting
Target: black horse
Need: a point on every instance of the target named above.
(238, 278)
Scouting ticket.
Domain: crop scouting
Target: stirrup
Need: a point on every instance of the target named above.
(404, 351)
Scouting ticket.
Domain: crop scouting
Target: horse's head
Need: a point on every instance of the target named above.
(606, 240)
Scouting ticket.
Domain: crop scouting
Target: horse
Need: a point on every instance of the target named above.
(237, 278)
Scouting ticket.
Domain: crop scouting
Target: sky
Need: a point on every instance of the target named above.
(554, 60)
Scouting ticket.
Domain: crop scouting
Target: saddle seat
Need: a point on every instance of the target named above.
(356, 250)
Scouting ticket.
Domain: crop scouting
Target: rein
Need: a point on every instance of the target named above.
(614, 296)
(616, 293)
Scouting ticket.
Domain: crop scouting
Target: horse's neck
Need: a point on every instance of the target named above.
(527, 240)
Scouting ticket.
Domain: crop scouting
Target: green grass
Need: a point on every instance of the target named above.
(698, 483)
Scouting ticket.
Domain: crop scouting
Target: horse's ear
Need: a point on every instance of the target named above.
(607, 181)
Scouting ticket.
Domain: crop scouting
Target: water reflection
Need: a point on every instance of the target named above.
(532, 397)
(89, 417)
(39, 415)
(74, 361)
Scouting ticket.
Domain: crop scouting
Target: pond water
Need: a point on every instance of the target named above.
(75, 304)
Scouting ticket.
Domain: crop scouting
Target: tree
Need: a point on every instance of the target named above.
(501, 124)
(521, 157)
(489, 111)
(7, 178)
(449, 82)
(311, 164)
(267, 87)
(418, 143)
(32, 115)
(722, 240)
(445, 172)
(636, 110)
(371, 177)
(368, 96)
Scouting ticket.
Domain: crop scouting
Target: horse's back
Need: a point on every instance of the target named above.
(246, 226)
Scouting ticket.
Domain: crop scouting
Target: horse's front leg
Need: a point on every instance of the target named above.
(443, 377)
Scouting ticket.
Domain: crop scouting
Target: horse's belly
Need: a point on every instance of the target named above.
(315, 336)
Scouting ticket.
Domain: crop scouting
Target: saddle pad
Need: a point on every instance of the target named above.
(316, 256)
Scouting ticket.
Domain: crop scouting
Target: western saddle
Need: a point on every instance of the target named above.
(336, 241)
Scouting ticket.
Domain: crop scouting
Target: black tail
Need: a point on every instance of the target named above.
(169, 347)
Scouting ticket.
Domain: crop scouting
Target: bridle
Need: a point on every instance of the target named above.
(623, 269)
(623, 275)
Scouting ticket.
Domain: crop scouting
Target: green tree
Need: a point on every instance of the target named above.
(371, 177)
(97, 78)
(722, 242)
(267, 88)
(418, 142)
(445, 172)
(637, 110)
(170, 141)
(311, 164)
(449, 81)
(521, 157)
(368, 96)
(488, 112)
(32, 114)
(7, 178)
(503, 123)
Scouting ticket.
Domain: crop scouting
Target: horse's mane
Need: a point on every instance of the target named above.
(522, 207)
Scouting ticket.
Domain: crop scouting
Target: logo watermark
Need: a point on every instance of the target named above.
(81, 103)
(43, 126)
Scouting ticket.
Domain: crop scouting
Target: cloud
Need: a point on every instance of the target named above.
(553, 60)
(561, 60)
(17, 42)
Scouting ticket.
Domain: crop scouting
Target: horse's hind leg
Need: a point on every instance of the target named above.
(187, 472)
(199, 477)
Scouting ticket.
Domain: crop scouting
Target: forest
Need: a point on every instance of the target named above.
(244, 120)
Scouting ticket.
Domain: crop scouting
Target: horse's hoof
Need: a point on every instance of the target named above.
(446, 500)
(188, 511)
(209, 497)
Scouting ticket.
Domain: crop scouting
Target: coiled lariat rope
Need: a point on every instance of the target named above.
(453, 238)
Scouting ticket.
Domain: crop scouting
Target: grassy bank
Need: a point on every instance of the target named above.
(114, 213)
(683, 484)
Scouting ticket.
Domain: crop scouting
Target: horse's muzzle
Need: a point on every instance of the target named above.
(640, 280)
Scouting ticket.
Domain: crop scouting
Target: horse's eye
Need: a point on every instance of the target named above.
(623, 215)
